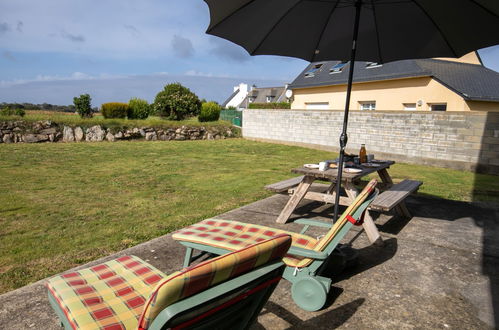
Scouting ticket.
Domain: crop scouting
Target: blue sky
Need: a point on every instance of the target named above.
(52, 50)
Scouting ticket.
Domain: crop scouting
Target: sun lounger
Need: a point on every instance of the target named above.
(226, 292)
(306, 257)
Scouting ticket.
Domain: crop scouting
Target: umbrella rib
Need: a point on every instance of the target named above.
(324, 29)
(484, 8)
(235, 11)
(377, 32)
(437, 27)
(273, 26)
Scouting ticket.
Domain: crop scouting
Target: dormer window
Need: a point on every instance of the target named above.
(337, 67)
(251, 99)
(269, 99)
(313, 70)
(370, 65)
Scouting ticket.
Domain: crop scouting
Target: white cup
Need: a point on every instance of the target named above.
(323, 166)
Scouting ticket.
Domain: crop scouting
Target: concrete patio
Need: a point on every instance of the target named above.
(438, 270)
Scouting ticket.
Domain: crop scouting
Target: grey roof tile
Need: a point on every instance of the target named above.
(471, 81)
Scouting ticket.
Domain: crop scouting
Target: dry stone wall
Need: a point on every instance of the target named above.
(48, 131)
(460, 140)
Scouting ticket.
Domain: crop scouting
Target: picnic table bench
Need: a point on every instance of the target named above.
(283, 186)
(393, 197)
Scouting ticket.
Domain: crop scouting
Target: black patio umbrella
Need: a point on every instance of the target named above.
(348, 30)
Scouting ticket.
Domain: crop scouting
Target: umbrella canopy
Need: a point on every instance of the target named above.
(369, 30)
(389, 30)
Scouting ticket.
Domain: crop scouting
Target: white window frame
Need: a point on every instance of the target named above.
(317, 105)
(410, 107)
(371, 65)
(268, 99)
(371, 105)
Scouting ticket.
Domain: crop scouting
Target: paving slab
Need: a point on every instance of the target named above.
(438, 270)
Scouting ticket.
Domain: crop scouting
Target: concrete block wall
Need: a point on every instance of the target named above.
(460, 140)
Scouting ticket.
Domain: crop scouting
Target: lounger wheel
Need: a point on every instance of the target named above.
(309, 294)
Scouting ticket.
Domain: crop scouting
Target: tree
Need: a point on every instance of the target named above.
(176, 102)
(83, 105)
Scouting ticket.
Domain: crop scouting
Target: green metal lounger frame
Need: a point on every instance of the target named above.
(304, 265)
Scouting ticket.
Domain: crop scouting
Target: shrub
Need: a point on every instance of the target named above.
(281, 105)
(210, 111)
(138, 109)
(82, 105)
(176, 102)
(20, 112)
(114, 110)
(7, 111)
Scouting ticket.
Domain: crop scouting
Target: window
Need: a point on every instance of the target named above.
(313, 70)
(251, 99)
(317, 106)
(367, 105)
(370, 65)
(438, 107)
(409, 106)
(269, 99)
(337, 67)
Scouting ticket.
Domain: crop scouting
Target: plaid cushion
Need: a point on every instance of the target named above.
(125, 292)
(231, 235)
(211, 272)
(107, 296)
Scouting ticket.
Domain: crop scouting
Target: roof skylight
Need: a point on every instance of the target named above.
(337, 67)
(313, 70)
(370, 65)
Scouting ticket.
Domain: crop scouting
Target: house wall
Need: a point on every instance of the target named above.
(470, 58)
(482, 106)
(239, 97)
(461, 140)
(389, 95)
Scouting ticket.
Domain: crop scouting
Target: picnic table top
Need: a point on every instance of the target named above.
(331, 173)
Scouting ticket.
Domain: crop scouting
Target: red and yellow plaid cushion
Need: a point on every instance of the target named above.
(231, 235)
(107, 296)
(125, 292)
(211, 272)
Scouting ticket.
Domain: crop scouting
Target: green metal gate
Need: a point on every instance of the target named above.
(234, 116)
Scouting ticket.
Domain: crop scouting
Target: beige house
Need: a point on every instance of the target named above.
(441, 84)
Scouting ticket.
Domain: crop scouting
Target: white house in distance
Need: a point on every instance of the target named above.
(237, 97)
(244, 95)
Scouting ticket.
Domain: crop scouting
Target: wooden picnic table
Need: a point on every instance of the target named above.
(348, 183)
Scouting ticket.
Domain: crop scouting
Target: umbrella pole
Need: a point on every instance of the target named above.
(343, 136)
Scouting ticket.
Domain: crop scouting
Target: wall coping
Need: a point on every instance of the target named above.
(453, 113)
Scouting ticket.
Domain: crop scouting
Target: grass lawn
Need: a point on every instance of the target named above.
(64, 204)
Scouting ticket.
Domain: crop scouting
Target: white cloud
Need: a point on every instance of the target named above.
(101, 26)
(49, 78)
